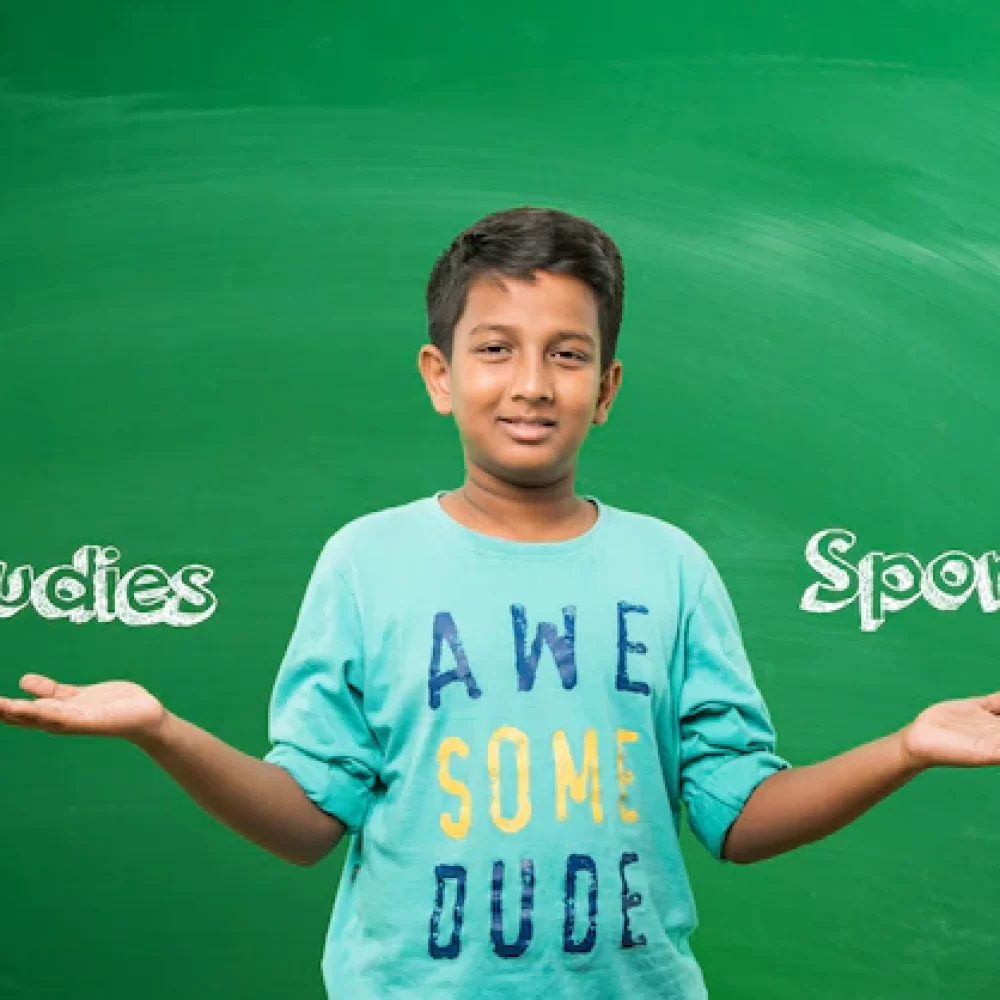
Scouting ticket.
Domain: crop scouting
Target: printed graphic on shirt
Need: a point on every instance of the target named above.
(577, 779)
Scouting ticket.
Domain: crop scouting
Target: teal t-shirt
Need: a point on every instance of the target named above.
(508, 729)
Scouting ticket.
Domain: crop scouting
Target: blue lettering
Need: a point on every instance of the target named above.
(562, 647)
(577, 863)
(625, 647)
(629, 901)
(445, 630)
(451, 949)
(519, 947)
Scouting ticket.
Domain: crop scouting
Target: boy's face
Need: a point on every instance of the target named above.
(524, 383)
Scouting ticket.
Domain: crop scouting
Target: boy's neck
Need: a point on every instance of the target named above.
(549, 513)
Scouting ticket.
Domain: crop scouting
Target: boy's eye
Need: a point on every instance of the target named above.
(496, 348)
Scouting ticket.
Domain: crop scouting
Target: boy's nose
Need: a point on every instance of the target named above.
(531, 379)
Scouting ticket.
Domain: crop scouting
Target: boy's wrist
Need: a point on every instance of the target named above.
(911, 763)
(157, 734)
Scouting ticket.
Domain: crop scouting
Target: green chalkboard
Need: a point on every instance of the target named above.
(216, 222)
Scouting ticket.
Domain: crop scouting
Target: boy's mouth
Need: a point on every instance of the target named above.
(528, 430)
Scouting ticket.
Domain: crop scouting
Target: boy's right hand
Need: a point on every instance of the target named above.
(111, 708)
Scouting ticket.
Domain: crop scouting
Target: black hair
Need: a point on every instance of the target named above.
(515, 243)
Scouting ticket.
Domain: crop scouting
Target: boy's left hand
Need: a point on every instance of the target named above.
(960, 733)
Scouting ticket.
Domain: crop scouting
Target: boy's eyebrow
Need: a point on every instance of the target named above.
(513, 330)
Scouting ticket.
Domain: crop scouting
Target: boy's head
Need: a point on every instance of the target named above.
(523, 311)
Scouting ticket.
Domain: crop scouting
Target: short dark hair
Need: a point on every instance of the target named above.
(515, 243)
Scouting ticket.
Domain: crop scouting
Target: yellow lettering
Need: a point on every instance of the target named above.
(568, 778)
(460, 827)
(625, 777)
(520, 741)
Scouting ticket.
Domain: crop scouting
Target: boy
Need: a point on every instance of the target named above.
(506, 691)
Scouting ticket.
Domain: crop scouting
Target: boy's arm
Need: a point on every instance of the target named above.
(800, 805)
(259, 800)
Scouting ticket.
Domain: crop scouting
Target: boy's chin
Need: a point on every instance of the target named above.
(527, 470)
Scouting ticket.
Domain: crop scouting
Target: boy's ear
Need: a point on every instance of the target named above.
(434, 369)
(611, 382)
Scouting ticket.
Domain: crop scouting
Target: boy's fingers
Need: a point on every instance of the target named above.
(992, 702)
(33, 714)
(17, 713)
(46, 687)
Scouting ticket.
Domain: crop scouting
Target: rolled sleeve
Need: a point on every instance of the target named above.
(316, 719)
(728, 744)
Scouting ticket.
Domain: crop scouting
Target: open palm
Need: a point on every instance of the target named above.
(111, 708)
(964, 732)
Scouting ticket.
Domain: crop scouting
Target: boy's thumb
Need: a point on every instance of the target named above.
(46, 687)
(992, 702)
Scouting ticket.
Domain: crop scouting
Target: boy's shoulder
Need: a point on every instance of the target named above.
(378, 527)
(654, 526)
(649, 535)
